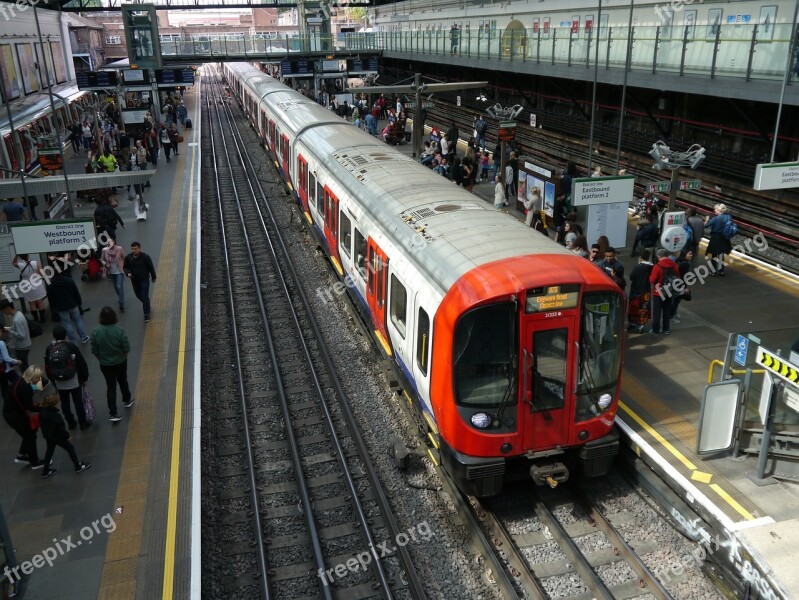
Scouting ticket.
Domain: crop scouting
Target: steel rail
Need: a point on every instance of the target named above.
(647, 577)
(305, 497)
(260, 552)
(412, 577)
(380, 573)
(572, 552)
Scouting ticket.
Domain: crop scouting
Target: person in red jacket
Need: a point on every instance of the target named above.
(663, 278)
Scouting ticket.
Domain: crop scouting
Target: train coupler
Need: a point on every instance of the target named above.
(550, 474)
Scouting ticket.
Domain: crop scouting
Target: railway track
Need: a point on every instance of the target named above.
(300, 496)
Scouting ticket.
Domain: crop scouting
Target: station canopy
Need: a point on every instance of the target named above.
(100, 5)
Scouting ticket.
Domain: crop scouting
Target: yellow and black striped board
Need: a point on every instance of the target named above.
(778, 366)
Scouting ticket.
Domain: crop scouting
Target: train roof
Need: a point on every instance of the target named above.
(35, 106)
(423, 213)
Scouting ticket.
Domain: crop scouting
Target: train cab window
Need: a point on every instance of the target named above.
(599, 365)
(345, 234)
(311, 189)
(483, 357)
(320, 199)
(422, 337)
(549, 369)
(399, 305)
(360, 253)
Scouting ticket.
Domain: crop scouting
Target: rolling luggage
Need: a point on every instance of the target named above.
(140, 209)
(188, 124)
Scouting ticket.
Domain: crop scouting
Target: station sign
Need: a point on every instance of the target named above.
(532, 120)
(778, 366)
(96, 80)
(776, 176)
(741, 350)
(295, 67)
(412, 105)
(361, 65)
(53, 236)
(174, 77)
(659, 187)
(507, 131)
(603, 190)
(136, 76)
(691, 184)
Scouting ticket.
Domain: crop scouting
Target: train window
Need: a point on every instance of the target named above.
(360, 253)
(422, 337)
(311, 189)
(599, 365)
(549, 369)
(320, 199)
(483, 357)
(399, 305)
(279, 147)
(345, 234)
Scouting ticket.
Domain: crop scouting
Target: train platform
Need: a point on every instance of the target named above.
(128, 527)
(756, 526)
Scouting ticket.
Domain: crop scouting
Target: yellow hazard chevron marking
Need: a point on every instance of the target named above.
(778, 366)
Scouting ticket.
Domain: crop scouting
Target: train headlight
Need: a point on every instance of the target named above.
(481, 420)
(604, 401)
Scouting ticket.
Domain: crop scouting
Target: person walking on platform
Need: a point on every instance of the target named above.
(55, 434)
(13, 211)
(107, 161)
(66, 301)
(19, 331)
(663, 276)
(640, 293)
(697, 225)
(17, 406)
(140, 270)
(151, 144)
(719, 244)
(175, 138)
(166, 142)
(67, 369)
(182, 112)
(113, 259)
(36, 290)
(87, 135)
(106, 219)
(111, 347)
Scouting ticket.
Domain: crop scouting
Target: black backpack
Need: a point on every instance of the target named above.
(59, 362)
(482, 126)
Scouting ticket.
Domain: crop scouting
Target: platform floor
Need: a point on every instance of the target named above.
(663, 382)
(141, 481)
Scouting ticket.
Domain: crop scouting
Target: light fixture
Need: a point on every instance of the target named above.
(481, 420)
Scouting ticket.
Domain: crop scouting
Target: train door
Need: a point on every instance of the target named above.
(284, 153)
(25, 144)
(376, 270)
(331, 228)
(263, 128)
(548, 361)
(302, 181)
(271, 140)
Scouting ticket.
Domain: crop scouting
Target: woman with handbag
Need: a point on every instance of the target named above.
(22, 414)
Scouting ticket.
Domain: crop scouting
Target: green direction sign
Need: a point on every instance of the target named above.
(691, 184)
(659, 187)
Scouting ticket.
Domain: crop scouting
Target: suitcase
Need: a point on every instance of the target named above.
(140, 210)
(187, 125)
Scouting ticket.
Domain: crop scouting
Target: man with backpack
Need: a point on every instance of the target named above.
(663, 277)
(722, 229)
(68, 370)
(480, 128)
(106, 220)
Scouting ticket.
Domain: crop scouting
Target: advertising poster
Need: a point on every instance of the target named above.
(549, 199)
(58, 57)
(522, 191)
(27, 68)
(9, 72)
(48, 60)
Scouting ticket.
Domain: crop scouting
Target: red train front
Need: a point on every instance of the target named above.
(526, 372)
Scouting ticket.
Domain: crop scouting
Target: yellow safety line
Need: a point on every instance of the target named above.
(663, 441)
(337, 264)
(383, 342)
(732, 502)
(174, 475)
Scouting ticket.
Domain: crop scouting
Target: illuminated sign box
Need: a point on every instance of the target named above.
(554, 297)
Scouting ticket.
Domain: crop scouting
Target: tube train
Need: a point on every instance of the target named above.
(508, 345)
(35, 126)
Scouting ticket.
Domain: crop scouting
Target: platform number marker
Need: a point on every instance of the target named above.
(779, 366)
(741, 349)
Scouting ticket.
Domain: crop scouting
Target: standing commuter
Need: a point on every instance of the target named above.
(718, 246)
(151, 144)
(662, 278)
(111, 347)
(7, 373)
(55, 434)
(697, 226)
(139, 268)
(640, 293)
(174, 137)
(37, 291)
(166, 142)
(114, 261)
(66, 301)
(67, 369)
(182, 113)
(13, 211)
(19, 330)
